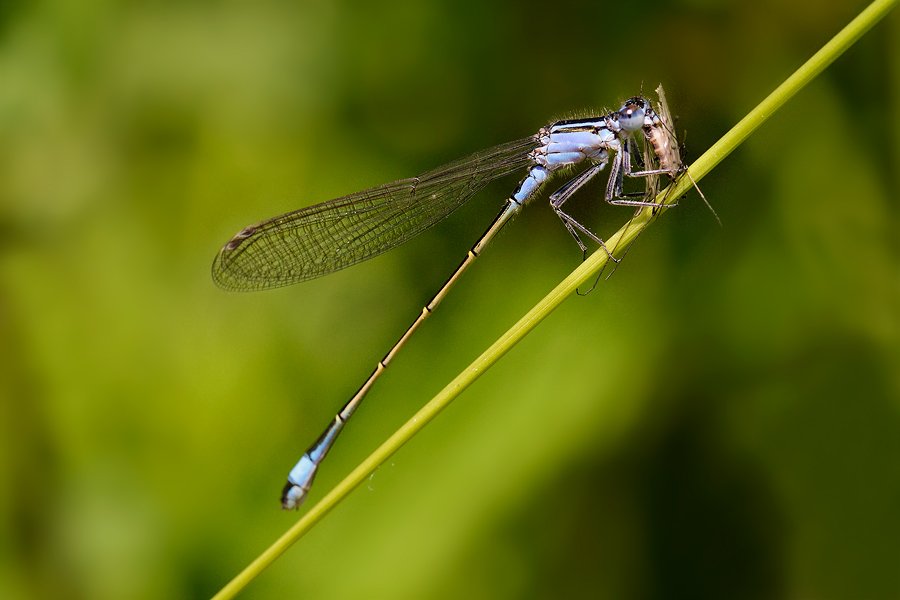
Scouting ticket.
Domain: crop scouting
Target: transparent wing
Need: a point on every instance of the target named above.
(320, 239)
(669, 125)
(651, 160)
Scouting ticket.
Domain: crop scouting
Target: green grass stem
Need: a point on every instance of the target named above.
(585, 272)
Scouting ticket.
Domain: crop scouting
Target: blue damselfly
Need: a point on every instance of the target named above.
(320, 239)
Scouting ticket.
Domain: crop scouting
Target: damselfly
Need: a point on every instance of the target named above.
(326, 237)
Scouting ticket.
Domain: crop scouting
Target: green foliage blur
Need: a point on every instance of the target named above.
(719, 419)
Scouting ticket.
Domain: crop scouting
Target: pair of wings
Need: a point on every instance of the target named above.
(323, 238)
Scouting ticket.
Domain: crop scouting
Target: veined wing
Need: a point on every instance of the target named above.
(323, 238)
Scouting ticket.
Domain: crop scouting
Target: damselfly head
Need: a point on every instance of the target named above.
(631, 115)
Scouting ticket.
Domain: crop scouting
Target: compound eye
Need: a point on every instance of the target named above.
(631, 115)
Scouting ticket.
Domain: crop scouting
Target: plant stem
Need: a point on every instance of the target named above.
(588, 269)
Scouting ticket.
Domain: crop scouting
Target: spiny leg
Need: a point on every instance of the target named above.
(621, 168)
(562, 195)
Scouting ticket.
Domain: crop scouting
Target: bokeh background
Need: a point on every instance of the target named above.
(721, 418)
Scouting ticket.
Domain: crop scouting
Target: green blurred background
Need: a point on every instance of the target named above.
(719, 419)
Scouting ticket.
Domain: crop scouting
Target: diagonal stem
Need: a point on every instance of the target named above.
(589, 268)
